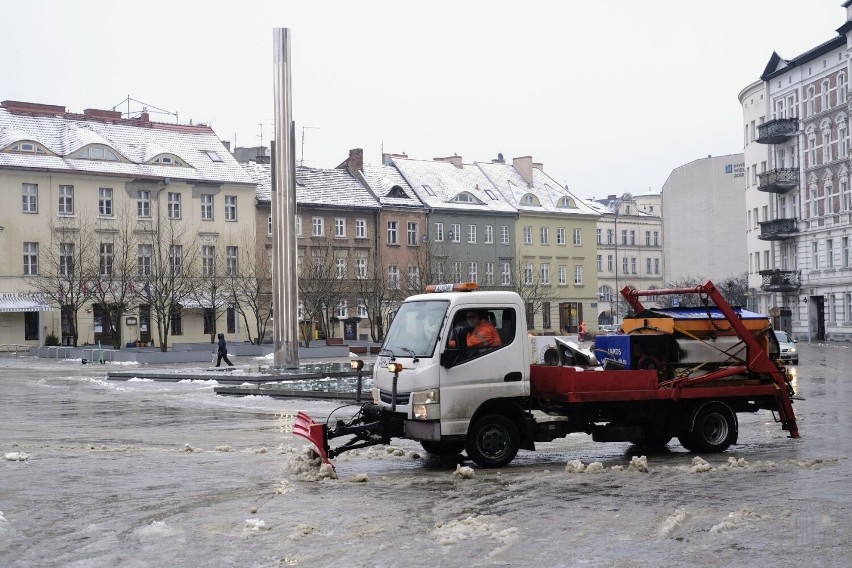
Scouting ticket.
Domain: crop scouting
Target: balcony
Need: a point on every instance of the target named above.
(778, 230)
(779, 180)
(780, 280)
(777, 131)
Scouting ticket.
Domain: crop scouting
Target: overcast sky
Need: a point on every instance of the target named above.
(609, 95)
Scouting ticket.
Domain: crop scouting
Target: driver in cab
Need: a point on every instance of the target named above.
(481, 334)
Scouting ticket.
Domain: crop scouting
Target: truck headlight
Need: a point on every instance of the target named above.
(425, 405)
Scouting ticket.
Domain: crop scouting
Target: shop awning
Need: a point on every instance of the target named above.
(23, 303)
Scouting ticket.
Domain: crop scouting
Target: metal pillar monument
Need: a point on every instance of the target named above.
(284, 276)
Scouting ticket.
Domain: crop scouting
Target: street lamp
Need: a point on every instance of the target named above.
(617, 206)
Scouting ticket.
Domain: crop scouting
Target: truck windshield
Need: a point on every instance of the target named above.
(414, 330)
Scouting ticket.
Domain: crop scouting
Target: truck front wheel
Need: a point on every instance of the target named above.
(714, 429)
(493, 441)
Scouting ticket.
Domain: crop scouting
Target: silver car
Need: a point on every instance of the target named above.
(789, 349)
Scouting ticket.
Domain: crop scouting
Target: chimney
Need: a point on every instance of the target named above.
(538, 165)
(455, 160)
(499, 159)
(354, 163)
(102, 114)
(145, 117)
(225, 143)
(612, 197)
(524, 166)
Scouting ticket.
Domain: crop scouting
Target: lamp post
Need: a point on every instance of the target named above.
(617, 206)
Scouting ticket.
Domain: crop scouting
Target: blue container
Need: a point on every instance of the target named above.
(615, 347)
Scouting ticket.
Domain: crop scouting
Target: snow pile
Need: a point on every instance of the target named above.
(255, 525)
(4, 524)
(188, 448)
(638, 463)
(595, 467)
(463, 472)
(17, 456)
(399, 452)
(672, 522)
(737, 462)
(360, 478)
(139, 380)
(302, 531)
(574, 466)
(741, 519)
(307, 465)
(475, 527)
(155, 531)
(224, 449)
(699, 465)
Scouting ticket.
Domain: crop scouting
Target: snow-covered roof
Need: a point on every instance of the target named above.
(547, 194)
(134, 141)
(443, 185)
(390, 188)
(314, 186)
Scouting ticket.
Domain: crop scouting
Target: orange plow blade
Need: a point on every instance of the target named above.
(314, 432)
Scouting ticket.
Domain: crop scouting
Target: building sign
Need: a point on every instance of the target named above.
(737, 169)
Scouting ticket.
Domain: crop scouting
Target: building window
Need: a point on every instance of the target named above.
(504, 234)
(362, 308)
(471, 234)
(29, 192)
(530, 310)
(177, 321)
(506, 273)
(106, 259)
(393, 277)
(317, 227)
(298, 225)
(176, 259)
(610, 236)
(656, 266)
(455, 233)
(269, 226)
(528, 274)
(544, 235)
(844, 253)
(600, 263)
(105, 202)
(545, 273)
(393, 232)
(208, 320)
(340, 268)
(361, 268)
(578, 275)
(66, 199)
(439, 232)
(174, 205)
(545, 315)
(414, 278)
(207, 207)
(473, 272)
(66, 259)
(230, 208)
(527, 235)
(489, 234)
(232, 267)
(647, 238)
(633, 265)
(339, 228)
(647, 266)
(342, 309)
(208, 260)
(560, 235)
(814, 255)
(829, 253)
(143, 260)
(624, 236)
(633, 238)
(599, 236)
(489, 273)
(457, 272)
(578, 237)
(412, 234)
(143, 203)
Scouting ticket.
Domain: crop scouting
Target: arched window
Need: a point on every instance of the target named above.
(97, 152)
(605, 293)
(826, 95)
(841, 88)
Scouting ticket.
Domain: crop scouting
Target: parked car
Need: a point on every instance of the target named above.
(607, 329)
(789, 349)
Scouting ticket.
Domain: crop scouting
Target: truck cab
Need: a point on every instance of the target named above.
(427, 373)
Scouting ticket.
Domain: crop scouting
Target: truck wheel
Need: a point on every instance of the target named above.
(447, 449)
(493, 441)
(713, 431)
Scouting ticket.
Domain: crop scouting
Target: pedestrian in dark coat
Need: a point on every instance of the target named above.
(223, 352)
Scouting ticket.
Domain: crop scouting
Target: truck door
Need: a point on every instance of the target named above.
(472, 373)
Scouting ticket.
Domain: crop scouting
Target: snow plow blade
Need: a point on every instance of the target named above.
(314, 432)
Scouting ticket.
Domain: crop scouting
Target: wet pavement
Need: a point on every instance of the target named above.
(98, 473)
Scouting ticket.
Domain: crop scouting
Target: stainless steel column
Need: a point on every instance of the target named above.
(284, 276)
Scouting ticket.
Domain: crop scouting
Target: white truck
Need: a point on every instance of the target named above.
(491, 402)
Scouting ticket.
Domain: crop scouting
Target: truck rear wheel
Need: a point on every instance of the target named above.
(493, 441)
(443, 449)
(714, 429)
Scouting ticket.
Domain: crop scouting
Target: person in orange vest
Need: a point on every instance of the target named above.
(582, 332)
(482, 334)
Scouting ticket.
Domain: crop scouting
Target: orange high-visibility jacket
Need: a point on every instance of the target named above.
(484, 335)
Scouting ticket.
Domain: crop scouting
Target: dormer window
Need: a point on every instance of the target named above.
(213, 155)
(397, 191)
(98, 153)
(530, 200)
(27, 147)
(566, 203)
(429, 190)
(167, 160)
(465, 197)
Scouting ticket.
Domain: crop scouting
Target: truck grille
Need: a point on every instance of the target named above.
(401, 399)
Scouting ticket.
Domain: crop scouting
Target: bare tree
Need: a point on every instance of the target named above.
(526, 281)
(213, 291)
(112, 277)
(64, 267)
(319, 287)
(251, 290)
(367, 288)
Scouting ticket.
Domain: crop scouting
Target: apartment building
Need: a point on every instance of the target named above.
(117, 228)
